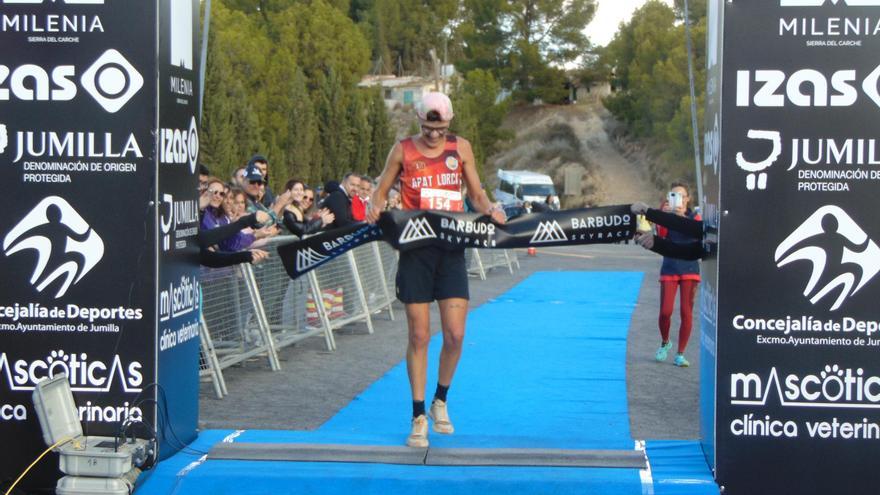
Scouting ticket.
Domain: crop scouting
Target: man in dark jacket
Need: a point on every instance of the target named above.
(339, 201)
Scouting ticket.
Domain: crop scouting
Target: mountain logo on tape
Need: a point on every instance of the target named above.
(308, 258)
(417, 229)
(66, 245)
(548, 232)
(843, 258)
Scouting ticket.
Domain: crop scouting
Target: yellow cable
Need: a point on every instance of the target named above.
(59, 442)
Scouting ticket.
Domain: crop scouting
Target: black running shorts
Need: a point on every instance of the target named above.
(431, 274)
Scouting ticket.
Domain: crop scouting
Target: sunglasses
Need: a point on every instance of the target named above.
(428, 130)
(217, 192)
(256, 182)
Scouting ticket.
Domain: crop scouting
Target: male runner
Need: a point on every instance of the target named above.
(430, 167)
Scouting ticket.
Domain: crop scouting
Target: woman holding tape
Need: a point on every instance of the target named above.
(676, 274)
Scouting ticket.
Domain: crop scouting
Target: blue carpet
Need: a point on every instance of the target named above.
(679, 468)
(543, 367)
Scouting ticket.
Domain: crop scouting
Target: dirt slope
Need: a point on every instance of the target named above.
(608, 176)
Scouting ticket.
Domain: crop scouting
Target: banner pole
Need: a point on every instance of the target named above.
(690, 50)
(204, 58)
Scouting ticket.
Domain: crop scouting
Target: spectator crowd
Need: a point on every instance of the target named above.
(240, 215)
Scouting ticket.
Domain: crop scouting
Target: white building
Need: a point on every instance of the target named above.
(406, 90)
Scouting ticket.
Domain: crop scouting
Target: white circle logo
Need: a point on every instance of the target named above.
(112, 81)
(193, 144)
(451, 163)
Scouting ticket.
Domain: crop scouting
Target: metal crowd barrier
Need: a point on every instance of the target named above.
(254, 310)
(234, 326)
(479, 261)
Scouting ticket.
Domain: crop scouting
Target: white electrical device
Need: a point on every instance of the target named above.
(92, 456)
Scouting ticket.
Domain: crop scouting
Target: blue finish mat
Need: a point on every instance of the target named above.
(543, 367)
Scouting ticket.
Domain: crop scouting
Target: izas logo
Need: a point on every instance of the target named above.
(548, 231)
(307, 258)
(111, 80)
(757, 177)
(842, 256)
(416, 229)
(180, 146)
(67, 248)
(804, 88)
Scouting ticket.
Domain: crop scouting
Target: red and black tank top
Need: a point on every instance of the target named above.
(431, 183)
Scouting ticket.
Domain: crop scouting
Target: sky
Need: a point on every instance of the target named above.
(609, 16)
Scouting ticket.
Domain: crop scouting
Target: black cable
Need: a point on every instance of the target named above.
(123, 422)
(164, 421)
(183, 446)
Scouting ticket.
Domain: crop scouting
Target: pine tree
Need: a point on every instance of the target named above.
(333, 129)
(382, 137)
(230, 130)
(359, 132)
(304, 149)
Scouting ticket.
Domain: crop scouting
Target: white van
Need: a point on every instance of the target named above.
(518, 186)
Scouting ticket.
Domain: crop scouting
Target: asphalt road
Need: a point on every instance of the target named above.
(314, 384)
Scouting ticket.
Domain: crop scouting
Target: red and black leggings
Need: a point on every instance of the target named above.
(686, 306)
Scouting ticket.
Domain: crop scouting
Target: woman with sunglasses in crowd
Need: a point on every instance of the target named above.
(295, 219)
(308, 202)
(216, 215)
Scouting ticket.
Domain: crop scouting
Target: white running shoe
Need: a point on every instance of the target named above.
(418, 435)
(440, 416)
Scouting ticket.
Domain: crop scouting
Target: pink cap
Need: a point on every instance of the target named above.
(435, 101)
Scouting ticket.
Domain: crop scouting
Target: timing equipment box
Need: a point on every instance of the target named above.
(96, 456)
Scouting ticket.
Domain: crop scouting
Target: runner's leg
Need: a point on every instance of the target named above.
(418, 320)
(453, 313)
(667, 303)
(686, 307)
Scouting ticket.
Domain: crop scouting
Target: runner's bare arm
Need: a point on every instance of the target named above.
(472, 180)
(393, 166)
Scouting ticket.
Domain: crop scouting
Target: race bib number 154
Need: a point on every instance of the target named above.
(440, 199)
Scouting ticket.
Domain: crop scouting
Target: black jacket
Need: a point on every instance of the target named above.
(340, 204)
(684, 225)
(301, 229)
